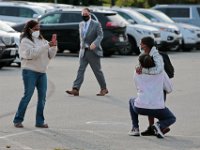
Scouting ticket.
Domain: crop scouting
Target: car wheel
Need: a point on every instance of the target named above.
(73, 51)
(60, 50)
(1, 65)
(107, 54)
(19, 64)
(8, 63)
(128, 50)
(184, 48)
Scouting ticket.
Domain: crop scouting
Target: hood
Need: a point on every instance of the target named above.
(15, 35)
(142, 27)
(10, 23)
(163, 25)
(188, 26)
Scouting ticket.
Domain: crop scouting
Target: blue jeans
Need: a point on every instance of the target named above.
(32, 79)
(165, 116)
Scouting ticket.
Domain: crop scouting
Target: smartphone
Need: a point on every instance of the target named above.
(54, 38)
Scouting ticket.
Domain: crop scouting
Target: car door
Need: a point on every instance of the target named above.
(67, 32)
(70, 36)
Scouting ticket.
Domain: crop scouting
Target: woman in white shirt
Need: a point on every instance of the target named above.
(35, 53)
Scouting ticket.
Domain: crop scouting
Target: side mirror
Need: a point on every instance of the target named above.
(35, 15)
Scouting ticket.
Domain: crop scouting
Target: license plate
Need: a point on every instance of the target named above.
(121, 39)
(13, 52)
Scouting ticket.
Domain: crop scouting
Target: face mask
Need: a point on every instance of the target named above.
(36, 34)
(86, 18)
(141, 50)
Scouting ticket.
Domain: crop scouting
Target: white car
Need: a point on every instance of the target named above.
(6, 29)
(186, 13)
(190, 33)
(8, 49)
(135, 33)
(171, 37)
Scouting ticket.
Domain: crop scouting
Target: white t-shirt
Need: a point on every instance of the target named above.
(150, 90)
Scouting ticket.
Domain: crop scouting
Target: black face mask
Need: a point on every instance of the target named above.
(86, 18)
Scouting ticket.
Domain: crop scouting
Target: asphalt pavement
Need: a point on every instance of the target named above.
(89, 122)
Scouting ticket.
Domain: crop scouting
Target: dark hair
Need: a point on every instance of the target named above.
(146, 61)
(26, 31)
(86, 9)
(149, 41)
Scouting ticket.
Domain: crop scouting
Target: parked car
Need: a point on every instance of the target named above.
(8, 49)
(51, 6)
(19, 12)
(65, 23)
(182, 12)
(135, 33)
(4, 27)
(170, 34)
(190, 33)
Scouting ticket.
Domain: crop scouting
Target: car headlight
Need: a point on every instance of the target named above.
(2, 44)
(7, 40)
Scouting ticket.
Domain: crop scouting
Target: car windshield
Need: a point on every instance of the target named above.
(163, 17)
(50, 19)
(5, 27)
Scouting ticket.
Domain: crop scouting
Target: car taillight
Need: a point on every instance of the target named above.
(111, 25)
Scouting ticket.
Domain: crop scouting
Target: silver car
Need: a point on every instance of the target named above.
(181, 13)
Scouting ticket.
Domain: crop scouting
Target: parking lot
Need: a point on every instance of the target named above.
(89, 122)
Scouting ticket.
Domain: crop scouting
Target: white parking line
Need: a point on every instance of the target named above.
(106, 123)
(21, 146)
(16, 134)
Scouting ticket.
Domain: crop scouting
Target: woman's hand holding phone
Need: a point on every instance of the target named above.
(54, 39)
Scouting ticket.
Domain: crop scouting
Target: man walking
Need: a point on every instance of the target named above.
(91, 35)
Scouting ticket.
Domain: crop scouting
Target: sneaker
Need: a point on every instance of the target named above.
(42, 126)
(134, 132)
(157, 130)
(148, 132)
(18, 125)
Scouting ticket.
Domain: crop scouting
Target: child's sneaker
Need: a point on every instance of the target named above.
(157, 130)
(134, 132)
(148, 132)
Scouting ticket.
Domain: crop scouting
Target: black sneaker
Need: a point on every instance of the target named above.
(148, 132)
(157, 130)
